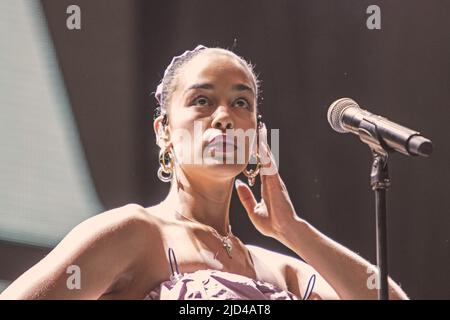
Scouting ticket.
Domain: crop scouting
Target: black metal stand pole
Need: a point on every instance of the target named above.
(379, 180)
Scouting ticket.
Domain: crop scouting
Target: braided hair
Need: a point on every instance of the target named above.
(166, 87)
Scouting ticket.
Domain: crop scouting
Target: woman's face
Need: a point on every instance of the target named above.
(214, 95)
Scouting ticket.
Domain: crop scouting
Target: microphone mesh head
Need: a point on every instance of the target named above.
(335, 112)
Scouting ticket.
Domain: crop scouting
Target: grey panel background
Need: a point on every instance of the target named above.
(45, 184)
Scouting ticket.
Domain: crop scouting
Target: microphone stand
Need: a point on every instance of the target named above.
(382, 136)
(380, 182)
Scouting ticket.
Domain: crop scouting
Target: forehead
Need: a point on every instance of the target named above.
(214, 67)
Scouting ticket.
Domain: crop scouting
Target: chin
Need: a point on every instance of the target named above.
(217, 168)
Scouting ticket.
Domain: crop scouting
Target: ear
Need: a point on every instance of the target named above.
(161, 132)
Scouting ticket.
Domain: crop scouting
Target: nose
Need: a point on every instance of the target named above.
(222, 120)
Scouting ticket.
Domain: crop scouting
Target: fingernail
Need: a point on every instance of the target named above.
(261, 126)
(264, 128)
(238, 182)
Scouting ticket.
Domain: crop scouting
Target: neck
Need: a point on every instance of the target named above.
(205, 199)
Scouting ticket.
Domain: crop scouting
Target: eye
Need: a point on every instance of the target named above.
(201, 101)
(243, 103)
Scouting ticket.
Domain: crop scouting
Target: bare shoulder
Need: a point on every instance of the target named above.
(117, 218)
(299, 275)
(130, 224)
(112, 224)
(124, 219)
(278, 259)
(103, 246)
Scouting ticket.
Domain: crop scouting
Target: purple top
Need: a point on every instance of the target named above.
(212, 284)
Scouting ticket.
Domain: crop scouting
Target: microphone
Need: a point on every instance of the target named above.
(382, 135)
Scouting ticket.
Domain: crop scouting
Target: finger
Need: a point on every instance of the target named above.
(269, 170)
(268, 164)
(246, 196)
(261, 209)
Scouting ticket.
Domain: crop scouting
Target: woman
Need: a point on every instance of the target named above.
(183, 248)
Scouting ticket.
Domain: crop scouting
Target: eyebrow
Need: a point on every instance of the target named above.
(209, 86)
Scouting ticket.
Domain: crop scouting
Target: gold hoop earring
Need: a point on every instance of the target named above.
(165, 170)
(253, 173)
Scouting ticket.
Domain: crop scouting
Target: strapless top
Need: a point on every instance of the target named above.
(212, 284)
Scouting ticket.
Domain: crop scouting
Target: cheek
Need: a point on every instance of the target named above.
(187, 139)
(186, 117)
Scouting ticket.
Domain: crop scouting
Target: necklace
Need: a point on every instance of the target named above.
(226, 241)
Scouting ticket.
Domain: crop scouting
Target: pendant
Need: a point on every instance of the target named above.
(227, 245)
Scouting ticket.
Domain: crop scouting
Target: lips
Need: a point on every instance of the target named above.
(221, 138)
(223, 143)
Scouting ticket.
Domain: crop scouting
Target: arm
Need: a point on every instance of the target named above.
(275, 216)
(309, 283)
(99, 246)
(348, 273)
(297, 275)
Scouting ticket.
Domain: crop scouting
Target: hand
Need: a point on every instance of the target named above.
(275, 212)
